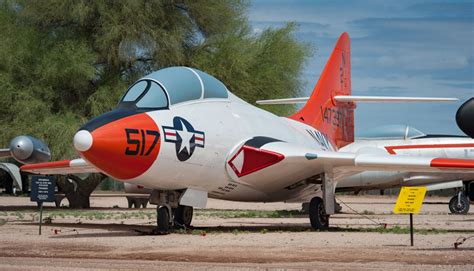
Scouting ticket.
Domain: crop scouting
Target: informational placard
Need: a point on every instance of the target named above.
(42, 188)
(410, 200)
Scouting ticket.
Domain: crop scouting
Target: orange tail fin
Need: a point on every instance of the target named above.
(321, 111)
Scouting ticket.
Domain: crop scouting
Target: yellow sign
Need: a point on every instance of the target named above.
(410, 200)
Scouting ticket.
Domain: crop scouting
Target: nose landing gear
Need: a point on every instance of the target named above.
(180, 217)
(174, 207)
(170, 214)
(183, 215)
(163, 219)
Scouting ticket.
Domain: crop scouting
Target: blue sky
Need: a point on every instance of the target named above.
(398, 48)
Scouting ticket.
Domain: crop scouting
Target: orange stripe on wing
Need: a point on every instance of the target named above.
(55, 164)
(391, 149)
(452, 163)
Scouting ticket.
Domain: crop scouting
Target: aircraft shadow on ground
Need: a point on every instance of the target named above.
(78, 230)
(53, 208)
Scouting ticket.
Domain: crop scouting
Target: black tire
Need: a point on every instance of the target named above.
(463, 207)
(136, 203)
(144, 203)
(183, 215)
(317, 214)
(130, 202)
(8, 184)
(163, 219)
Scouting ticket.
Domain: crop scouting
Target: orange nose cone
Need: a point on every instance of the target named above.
(124, 148)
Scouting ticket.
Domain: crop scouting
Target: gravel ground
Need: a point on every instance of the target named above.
(245, 243)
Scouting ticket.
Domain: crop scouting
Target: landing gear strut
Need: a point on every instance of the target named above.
(321, 208)
(181, 217)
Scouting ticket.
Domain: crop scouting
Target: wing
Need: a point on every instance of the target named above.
(343, 163)
(4, 153)
(60, 167)
(279, 164)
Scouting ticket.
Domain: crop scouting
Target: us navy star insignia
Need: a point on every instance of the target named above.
(185, 138)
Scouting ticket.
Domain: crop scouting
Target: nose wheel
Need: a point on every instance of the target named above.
(163, 219)
(183, 215)
(180, 217)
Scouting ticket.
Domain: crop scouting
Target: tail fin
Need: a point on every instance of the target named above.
(321, 111)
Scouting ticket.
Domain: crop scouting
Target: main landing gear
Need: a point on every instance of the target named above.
(317, 214)
(459, 204)
(321, 208)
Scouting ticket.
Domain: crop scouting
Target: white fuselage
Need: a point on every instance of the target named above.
(227, 123)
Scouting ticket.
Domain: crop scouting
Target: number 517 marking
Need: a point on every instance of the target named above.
(137, 146)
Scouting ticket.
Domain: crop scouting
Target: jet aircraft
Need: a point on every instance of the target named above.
(182, 133)
(393, 139)
(24, 149)
(409, 141)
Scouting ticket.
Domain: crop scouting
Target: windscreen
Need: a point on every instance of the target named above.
(146, 94)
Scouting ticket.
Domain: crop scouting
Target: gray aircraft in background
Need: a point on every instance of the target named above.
(24, 149)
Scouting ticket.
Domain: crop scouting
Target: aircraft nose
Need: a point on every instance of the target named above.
(123, 148)
(83, 140)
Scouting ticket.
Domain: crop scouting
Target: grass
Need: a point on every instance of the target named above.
(246, 230)
(151, 214)
(248, 213)
(83, 214)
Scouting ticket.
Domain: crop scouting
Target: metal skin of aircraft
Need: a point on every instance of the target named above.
(180, 132)
(408, 141)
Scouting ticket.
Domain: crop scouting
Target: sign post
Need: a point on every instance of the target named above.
(42, 190)
(409, 201)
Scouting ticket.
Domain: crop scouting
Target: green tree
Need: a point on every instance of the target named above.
(65, 61)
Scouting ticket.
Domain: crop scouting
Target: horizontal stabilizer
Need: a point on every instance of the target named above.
(300, 100)
(383, 99)
(366, 99)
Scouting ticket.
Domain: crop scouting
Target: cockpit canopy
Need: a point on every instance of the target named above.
(397, 131)
(171, 86)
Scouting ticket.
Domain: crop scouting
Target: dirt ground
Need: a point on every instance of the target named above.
(110, 236)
